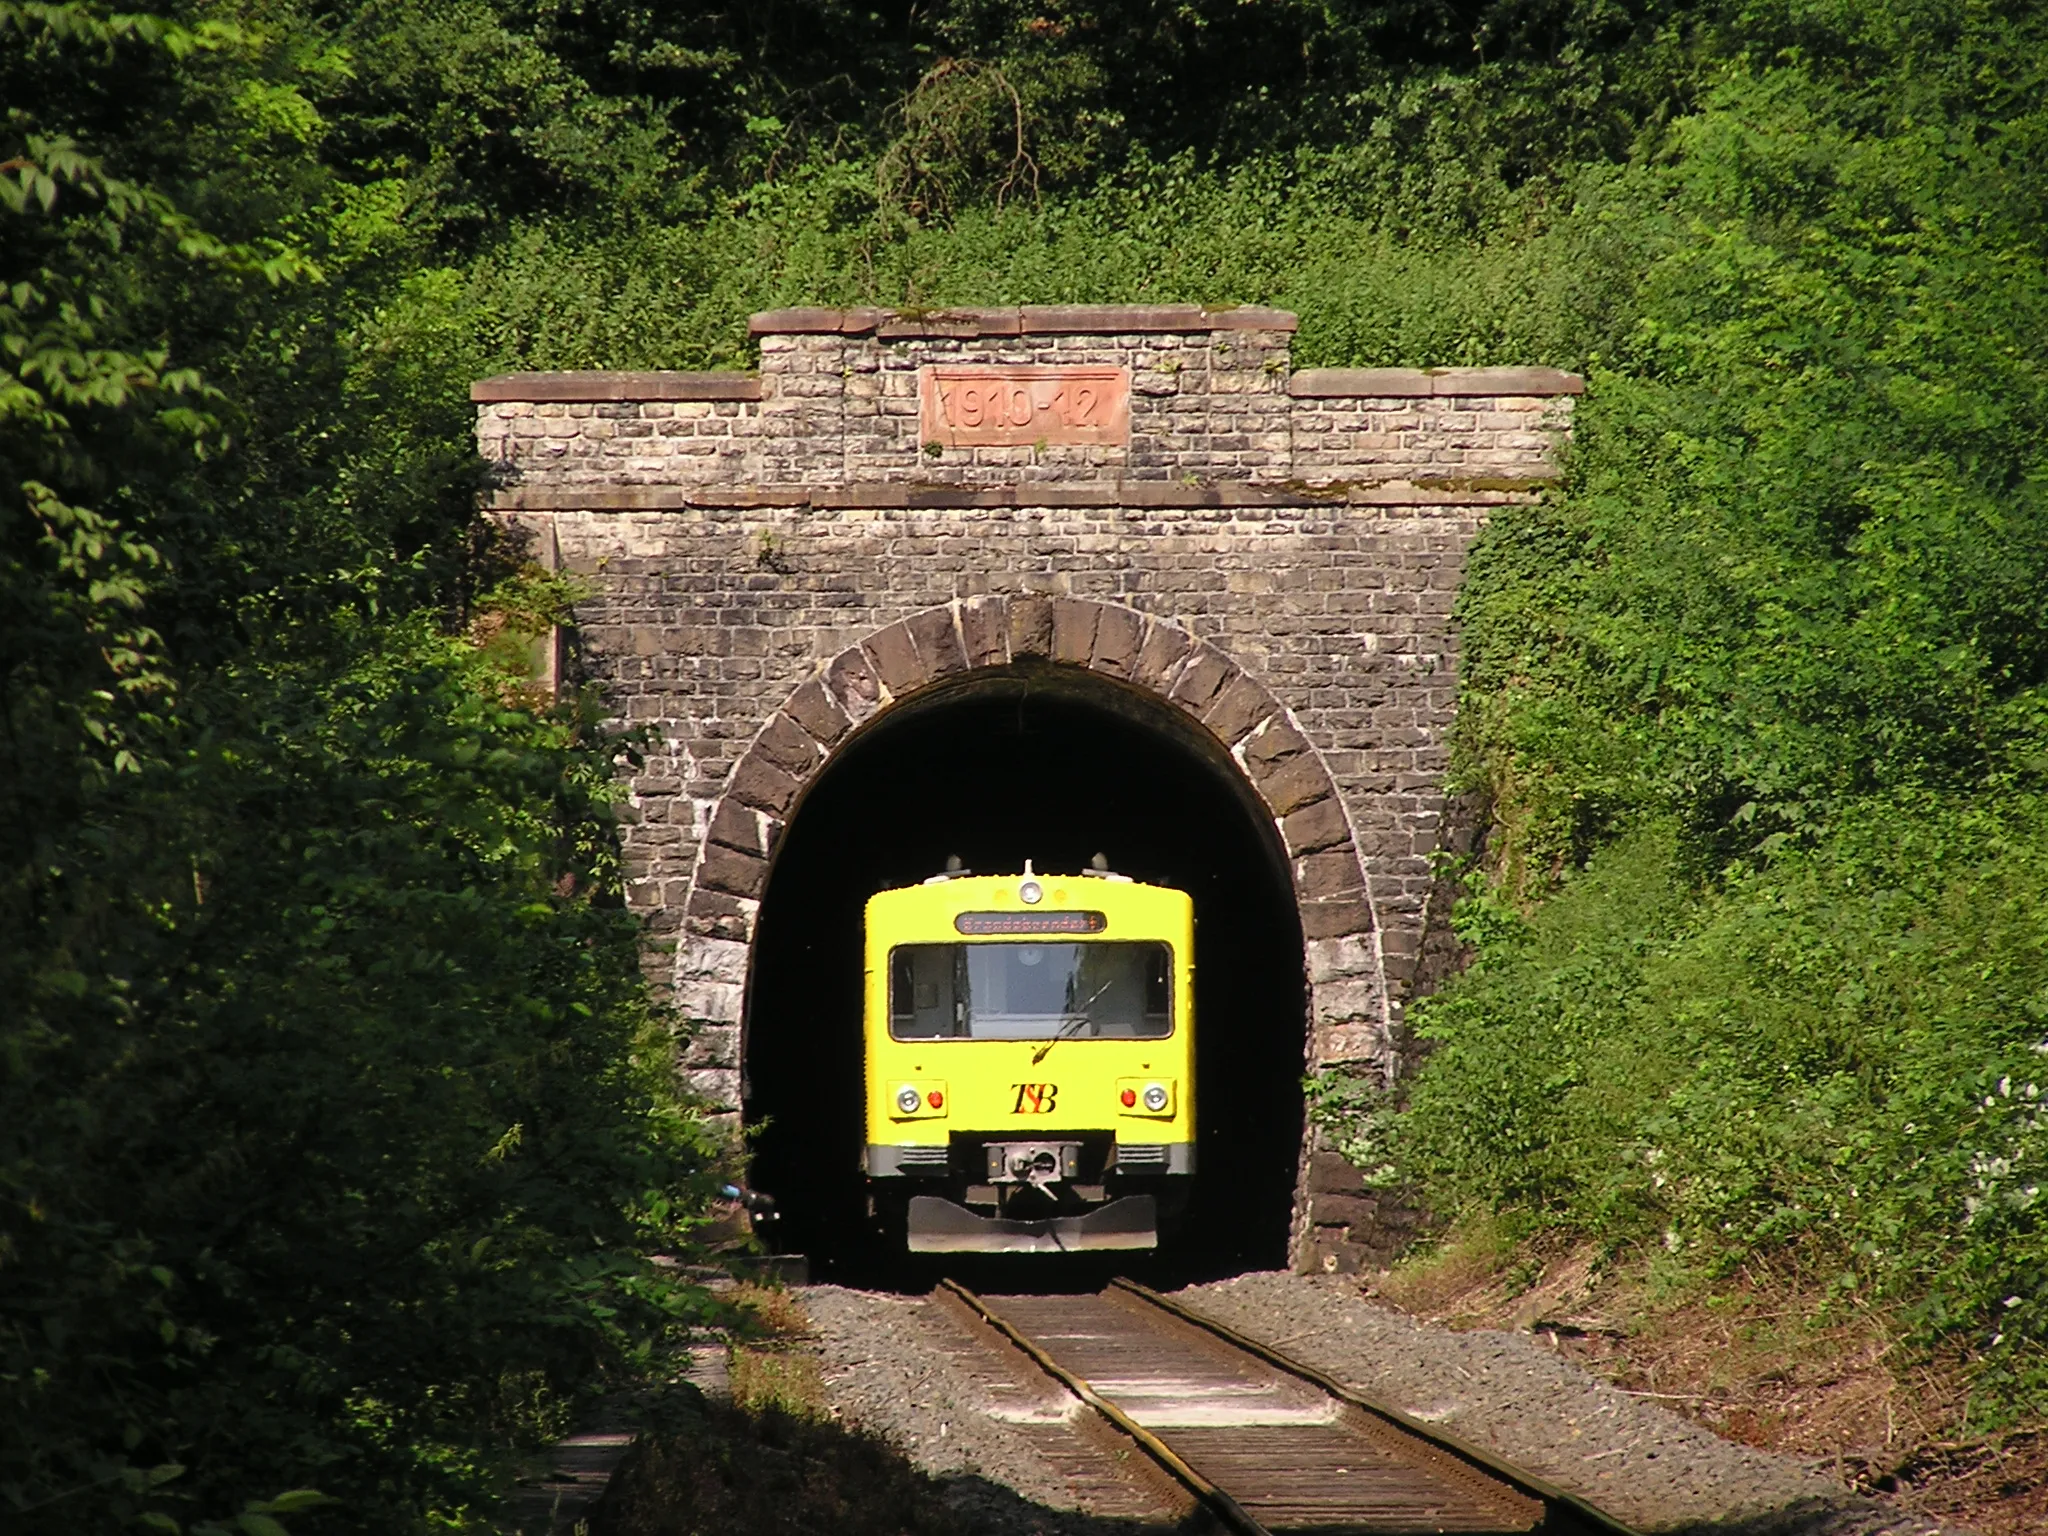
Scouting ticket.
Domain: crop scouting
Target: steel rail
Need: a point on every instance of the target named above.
(1214, 1499)
(1594, 1518)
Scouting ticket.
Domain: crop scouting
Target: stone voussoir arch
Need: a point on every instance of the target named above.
(1349, 1018)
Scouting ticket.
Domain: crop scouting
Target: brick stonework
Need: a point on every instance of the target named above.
(777, 559)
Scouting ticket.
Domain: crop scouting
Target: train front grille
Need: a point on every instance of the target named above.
(1141, 1157)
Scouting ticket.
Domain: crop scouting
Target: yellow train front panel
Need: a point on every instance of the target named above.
(1029, 1049)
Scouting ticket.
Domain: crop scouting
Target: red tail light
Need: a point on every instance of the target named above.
(935, 1098)
(1130, 1097)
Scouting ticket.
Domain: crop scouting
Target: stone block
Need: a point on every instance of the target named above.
(1343, 1000)
(985, 631)
(720, 915)
(732, 871)
(1347, 955)
(815, 709)
(1160, 654)
(739, 827)
(853, 684)
(709, 1002)
(1329, 1174)
(1201, 677)
(759, 783)
(789, 747)
(718, 1088)
(1331, 918)
(1353, 1042)
(1073, 630)
(712, 1045)
(1274, 740)
(1238, 706)
(1291, 783)
(1342, 1210)
(938, 643)
(1118, 634)
(704, 959)
(1030, 626)
(893, 656)
(1330, 1251)
(1334, 873)
(1315, 827)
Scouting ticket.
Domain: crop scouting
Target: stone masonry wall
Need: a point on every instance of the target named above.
(775, 557)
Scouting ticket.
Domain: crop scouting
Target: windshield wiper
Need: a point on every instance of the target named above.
(1074, 1022)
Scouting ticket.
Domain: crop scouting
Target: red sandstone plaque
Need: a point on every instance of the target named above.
(969, 406)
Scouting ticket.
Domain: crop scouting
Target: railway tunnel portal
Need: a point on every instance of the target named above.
(1033, 583)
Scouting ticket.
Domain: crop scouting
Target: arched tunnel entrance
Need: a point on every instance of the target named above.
(1054, 765)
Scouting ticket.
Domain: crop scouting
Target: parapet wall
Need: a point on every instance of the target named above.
(1212, 401)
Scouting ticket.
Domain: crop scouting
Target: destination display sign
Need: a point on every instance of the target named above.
(973, 406)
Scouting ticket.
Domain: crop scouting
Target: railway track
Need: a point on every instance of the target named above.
(1257, 1442)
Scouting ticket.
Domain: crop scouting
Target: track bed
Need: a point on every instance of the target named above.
(1258, 1443)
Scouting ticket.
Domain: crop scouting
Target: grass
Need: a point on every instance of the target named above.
(770, 1364)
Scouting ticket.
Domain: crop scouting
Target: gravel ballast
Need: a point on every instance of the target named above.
(1515, 1398)
(900, 1369)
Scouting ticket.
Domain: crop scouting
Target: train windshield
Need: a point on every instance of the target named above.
(1102, 991)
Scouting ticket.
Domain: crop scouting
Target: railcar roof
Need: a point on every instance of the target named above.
(1005, 893)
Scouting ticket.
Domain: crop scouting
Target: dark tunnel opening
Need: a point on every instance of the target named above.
(1039, 764)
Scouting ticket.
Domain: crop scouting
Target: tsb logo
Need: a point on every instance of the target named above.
(1035, 1098)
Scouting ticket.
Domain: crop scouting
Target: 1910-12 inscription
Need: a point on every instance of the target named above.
(988, 406)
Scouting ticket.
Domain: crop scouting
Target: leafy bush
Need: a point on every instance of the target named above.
(1835, 1063)
(335, 1125)
(1759, 705)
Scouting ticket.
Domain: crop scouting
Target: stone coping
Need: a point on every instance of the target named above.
(1308, 384)
(1024, 320)
(901, 497)
(549, 388)
(1413, 383)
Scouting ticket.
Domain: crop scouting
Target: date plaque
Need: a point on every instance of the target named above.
(976, 406)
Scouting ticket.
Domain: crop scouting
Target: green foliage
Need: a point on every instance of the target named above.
(1758, 705)
(1835, 1063)
(1357, 1116)
(337, 1126)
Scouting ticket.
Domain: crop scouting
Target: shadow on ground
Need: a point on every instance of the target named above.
(706, 1468)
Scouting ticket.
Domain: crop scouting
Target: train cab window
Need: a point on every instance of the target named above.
(1031, 991)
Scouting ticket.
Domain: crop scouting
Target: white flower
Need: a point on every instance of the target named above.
(2012, 1301)
(2005, 1087)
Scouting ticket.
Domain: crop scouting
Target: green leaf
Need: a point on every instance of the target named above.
(292, 1501)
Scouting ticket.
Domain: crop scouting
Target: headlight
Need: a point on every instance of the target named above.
(1155, 1097)
(1029, 893)
(908, 1099)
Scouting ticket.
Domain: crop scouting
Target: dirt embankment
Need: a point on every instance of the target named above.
(1758, 1362)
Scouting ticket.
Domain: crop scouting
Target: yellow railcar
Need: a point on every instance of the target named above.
(1030, 1061)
